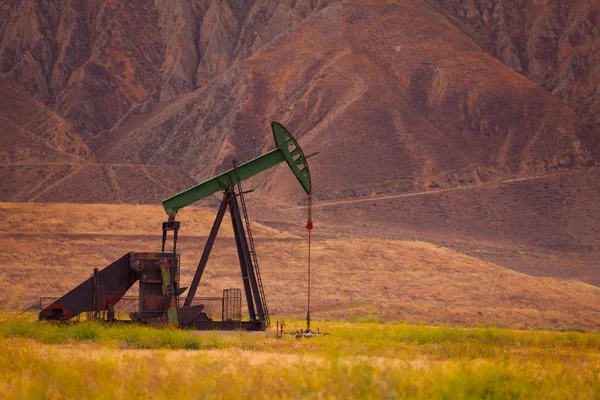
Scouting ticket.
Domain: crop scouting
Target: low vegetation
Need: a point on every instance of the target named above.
(368, 360)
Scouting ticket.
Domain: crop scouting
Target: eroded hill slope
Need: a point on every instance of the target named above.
(553, 43)
(392, 96)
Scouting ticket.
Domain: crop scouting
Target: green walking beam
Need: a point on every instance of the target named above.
(287, 150)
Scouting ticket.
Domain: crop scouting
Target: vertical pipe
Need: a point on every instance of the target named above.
(308, 297)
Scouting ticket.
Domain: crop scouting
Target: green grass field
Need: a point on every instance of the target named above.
(358, 360)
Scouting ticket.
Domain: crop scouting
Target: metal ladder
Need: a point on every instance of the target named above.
(263, 299)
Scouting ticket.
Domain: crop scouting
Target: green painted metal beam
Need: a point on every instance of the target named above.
(287, 150)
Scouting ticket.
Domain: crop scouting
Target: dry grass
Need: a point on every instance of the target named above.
(110, 219)
(359, 360)
(353, 279)
(542, 227)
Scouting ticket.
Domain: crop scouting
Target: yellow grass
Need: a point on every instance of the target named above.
(358, 360)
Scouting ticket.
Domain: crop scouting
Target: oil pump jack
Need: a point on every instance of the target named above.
(158, 272)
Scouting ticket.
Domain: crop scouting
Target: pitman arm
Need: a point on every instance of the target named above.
(287, 150)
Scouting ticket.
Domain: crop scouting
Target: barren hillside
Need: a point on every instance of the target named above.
(543, 226)
(394, 93)
(357, 279)
(553, 43)
(43, 158)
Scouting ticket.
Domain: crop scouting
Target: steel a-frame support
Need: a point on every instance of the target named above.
(251, 289)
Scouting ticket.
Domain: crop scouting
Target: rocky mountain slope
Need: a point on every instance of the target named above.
(95, 62)
(190, 83)
(555, 44)
(43, 158)
(32, 133)
(107, 101)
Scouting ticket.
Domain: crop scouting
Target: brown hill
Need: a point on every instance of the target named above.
(43, 158)
(543, 226)
(400, 97)
(382, 92)
(444, 106)
(96, 61)
(333, 72)
(53, 247)
(553, 43)
(32, 133)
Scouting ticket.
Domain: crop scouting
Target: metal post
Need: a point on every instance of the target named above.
(175, 233)
(96, 292)
(223, 307)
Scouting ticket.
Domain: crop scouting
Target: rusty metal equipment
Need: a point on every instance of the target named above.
(157, 273)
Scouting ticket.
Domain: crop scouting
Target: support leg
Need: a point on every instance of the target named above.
(207, 249)
(243, 257)
(236, 219)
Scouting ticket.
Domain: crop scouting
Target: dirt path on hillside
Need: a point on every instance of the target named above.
(430, 192)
